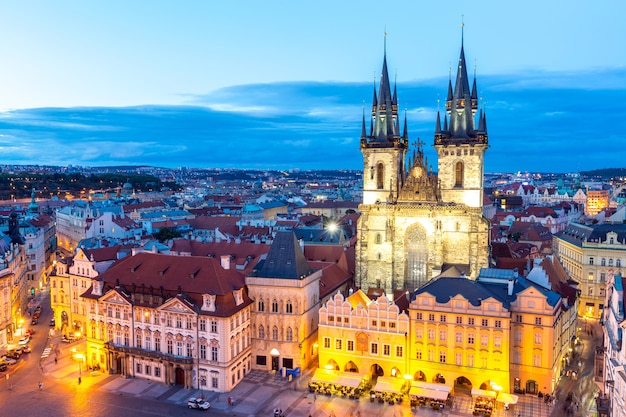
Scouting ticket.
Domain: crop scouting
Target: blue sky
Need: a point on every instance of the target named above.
(281, 84)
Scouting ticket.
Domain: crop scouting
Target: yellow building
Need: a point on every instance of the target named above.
(415, 224)
(364, 336)
(592, 255)
(597, 200)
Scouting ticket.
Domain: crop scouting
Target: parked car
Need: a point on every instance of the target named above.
(198, 403)
(52, 323)
(67, 339)
(3, 366)
(34, 321)
(26, 349)
(24, 340)
(13, 354)
(7, 360)
(30, 332)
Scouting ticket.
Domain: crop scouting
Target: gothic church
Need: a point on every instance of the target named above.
(416, 224)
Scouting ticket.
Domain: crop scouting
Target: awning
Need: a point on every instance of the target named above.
(427, 385)
(391, 385)
(346, 379)
(429, 393)
(483, 393)
(507, 398)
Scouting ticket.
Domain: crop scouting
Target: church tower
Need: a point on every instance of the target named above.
(416, 224)
(384, 149)
(461, 145)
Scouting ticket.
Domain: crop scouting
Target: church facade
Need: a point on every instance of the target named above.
(416, 224)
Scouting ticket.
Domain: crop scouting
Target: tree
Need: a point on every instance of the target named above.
(166, 233)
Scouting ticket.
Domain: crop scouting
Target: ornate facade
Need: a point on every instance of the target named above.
(414, 223)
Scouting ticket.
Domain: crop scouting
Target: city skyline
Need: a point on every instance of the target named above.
(101, 85)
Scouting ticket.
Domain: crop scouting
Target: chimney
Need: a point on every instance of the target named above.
(225, 261)
(509, 290)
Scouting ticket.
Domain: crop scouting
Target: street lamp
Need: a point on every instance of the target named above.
(21, 322)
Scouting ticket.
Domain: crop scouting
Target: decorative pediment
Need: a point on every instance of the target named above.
(175, 305)
(114, 297)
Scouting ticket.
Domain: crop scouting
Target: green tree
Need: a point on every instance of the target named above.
(166, 233)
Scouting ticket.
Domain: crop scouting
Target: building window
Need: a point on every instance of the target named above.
(470, 339)
(157, 371)
(618, 263)
(458, 337)
(274, 333)
(591, 261)
(289, 334)
(261, 305)
(518, 336)
(610, 261)
(327, 342)
(138, 340)
(148, 372)
(431, 317)
(442, 335)
(418, 316)
(138, 368)
(459, 319)
(378, 238)
(458, 359)
(202, 351)
(214, 357)
(484, 322)
(338, 344)
(289, 307)
(470, 360)
(386, 350)
(442, 356)
(538, 321)
(202, 325)
(170, 347)
(537, 361)
(374, 349)
(458, 174)
(214, 382)
(350, 345)
(497, 341)
(484, 340)
(418, 333)
(261, 332)
(213, 326)
(157, 344)
(470, 321)
(498, 324)
(603, 262)
(442, 318)
(418, 355)
(374, 323)
(380, 176)
(399, 352)
(537, 338)
(431, 334)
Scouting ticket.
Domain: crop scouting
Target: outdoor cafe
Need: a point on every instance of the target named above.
(435, 396)
(345, 384)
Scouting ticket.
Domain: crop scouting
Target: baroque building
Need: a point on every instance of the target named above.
(415, 224)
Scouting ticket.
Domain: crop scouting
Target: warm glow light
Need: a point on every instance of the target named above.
(407, 376)
(331, 227)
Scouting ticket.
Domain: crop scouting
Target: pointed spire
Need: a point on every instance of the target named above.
(445, 122)
(438, 124)
(481, 127)
(363, 131)
(405, 133)
(485, 122)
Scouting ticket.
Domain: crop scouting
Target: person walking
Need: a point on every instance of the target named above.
(40, 385)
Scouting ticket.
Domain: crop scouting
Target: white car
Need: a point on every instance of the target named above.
(198, 403)
(24, 340)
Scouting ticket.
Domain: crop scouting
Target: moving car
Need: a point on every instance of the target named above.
(198, 403)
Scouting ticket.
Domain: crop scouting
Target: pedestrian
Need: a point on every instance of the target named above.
(79, 380)
(55, 360)
(40, 385)
(230, 400)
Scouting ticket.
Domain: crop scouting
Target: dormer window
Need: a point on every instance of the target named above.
(208, 302)
(238, 295)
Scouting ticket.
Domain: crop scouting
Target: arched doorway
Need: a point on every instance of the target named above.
(376, 370)
(419, 376)
(439, 379)
(179, 376)
(531, 387)
(275, 354)
(396, 372)
(351, 367)
(463, 385)
(332, 364)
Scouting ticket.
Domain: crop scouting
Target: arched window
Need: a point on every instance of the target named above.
(261, 305)
(458, 174)
(274, 306)
(603, 262)
(618, 263)
(274, 333)
(380, 175)
(378, 238)
(289, 307)
(610, 261)
(261, 332)
(289, 336)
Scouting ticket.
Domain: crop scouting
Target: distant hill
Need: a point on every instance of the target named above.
(605, 173)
